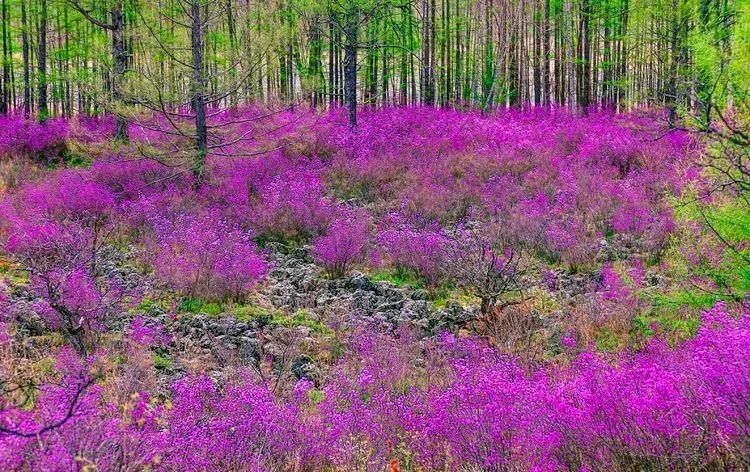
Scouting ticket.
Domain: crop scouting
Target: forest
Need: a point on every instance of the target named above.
(375, 235)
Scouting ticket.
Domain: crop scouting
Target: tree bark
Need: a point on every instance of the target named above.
(120, 56)
(26, 62)
(6, 85)
(545, 55)
(199, 87)
(569, 61)
(42, 106)
(584, 61)
(537, 68)
(351, 34)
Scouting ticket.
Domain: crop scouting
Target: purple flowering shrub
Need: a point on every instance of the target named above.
(70, 421)
(464, 406)
(558, 182)
(41, 142)
(409, 247)
(475, 262)
(205, 256)
(345, 243)
(56, 231)
(467, 202)
(293, 206)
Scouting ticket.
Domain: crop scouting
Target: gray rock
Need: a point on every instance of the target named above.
(305, 368)
(359, 281)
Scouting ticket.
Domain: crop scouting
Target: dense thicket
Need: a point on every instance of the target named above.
(586, 350)
(63, 57)
(357, 234)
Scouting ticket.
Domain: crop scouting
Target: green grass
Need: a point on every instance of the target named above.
(300, 318)
(162, 362)
(316, 396)
(677, 326)
(250, 312)
(607, 341)
(398, 277)
(12, 274)
(148, 305)
(445, 294)
(195, 306)
(273, 317)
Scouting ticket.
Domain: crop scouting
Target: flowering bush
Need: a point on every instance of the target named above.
(205, 256)
(417, 249)
(56, 231)
(474, 261)
(555, 181)
(43, 142)
(468, 406)
(293, 206)
(541, 183)
(344, 243)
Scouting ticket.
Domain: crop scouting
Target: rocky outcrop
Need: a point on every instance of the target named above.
(296, 283)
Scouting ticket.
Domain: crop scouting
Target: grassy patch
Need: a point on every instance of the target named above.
(195, 306)
(692, 299)
(162, 362)
(443, 295)
(250, 312)
(677, 327)
(607, 341)
(265, 316)
(12, 273)
(76, 159)
(398, 277)
(150, 305)
(300, 318)
(316, 396)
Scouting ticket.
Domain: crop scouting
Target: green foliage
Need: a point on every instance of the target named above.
(250, 312)
(13, 274)
(400, 277)
(194, 305)
(76, 158)
(684, 298)
(162, 362)
(274, 317)
(725, 230)
(607, 341)
(300, 318)
(678, 327)
(150, 305)
(721, 45)
(316, 396)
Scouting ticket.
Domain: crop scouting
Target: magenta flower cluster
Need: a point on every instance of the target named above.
(205, 256)
(345, 243)
(467, 406)
(395, 192)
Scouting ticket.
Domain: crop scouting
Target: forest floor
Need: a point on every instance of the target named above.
(433, 288)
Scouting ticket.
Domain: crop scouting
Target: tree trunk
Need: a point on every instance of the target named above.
(5, 95)
(42, 109)
(26, 62)
(199, 87)
(331, 62)
(672, 92)
(569, 61)
(120, 56)
(584, 40)
(350, 63)
(537, 68)
(545, 55)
